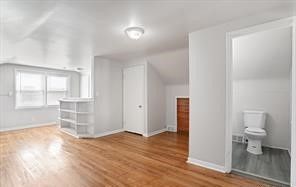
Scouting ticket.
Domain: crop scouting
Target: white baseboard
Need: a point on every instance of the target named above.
(155, 132)
(275, 147)
(171, 128)
(207, 165)
(27, 126)
(108, 133)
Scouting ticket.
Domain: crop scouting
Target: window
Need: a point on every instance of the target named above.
(37, 89)
(29, 89)
(56, 89)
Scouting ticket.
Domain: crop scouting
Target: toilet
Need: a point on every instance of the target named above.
(254, 122)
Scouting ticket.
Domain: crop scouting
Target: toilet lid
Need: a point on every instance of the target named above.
(256, 130)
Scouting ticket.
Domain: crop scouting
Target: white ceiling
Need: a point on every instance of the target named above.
(62, 33)
(263, 55)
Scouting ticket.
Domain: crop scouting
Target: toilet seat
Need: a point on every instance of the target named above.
(255, 131)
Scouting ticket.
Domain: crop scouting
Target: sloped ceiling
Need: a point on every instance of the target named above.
(263, 55)
(173, 66)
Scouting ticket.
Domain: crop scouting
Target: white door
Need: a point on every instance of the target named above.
(133, 99)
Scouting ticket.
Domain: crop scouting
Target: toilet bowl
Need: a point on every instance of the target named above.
(254, 122)
(255, 137)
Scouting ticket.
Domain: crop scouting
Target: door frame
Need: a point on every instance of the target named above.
(145, 128)
(176, 111)
(278, 24)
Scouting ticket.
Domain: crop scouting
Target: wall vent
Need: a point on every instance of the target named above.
(171, 128)
(238, 138)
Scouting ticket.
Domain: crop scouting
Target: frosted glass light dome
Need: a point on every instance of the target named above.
(134, 32)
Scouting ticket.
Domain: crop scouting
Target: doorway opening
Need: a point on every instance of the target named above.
(260, 118)
(182, 109)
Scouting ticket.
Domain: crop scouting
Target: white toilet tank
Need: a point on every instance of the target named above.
(253, 118)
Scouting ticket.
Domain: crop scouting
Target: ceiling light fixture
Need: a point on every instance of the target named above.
(134, 32)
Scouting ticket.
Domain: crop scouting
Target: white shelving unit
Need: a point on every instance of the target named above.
(76, 117)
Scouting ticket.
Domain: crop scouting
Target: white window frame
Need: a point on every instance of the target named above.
(57, 75)
(45, 74)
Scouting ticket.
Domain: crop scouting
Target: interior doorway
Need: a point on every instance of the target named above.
(182, 105)
(288, 23)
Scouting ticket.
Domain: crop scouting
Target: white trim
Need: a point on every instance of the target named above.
(92, 79)
(207, 165)
(228, 108)
(37, 66)
(45, 74)
(176, 112)
(283, 23)
(108, 133)
(293, 120)
(146, 107)
(275, 147)
(155, 132)
(271, 25)
(27, 126)
(272, 147)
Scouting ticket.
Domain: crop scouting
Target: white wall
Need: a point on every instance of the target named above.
(156, 100)
(11, 118)
(274, 97)
(85, 84)
(207, 80)
(261, 70)
(172, 91)
(107, 95)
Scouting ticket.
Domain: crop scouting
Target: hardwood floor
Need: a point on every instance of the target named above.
(47, 157)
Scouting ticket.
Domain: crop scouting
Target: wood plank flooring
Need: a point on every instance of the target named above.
(47, 157)
(273, 163)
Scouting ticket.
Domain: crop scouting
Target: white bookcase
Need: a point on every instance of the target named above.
(76, 117)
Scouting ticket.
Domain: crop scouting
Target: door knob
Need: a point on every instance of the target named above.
(140, 106)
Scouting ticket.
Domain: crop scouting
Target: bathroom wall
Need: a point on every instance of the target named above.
(270, 95)
(207, 83)
(262, 68)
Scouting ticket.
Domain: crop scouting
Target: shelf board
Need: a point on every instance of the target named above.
(84, 124)
(68, 120)
(72, 132)
(84, 112)
(73, 111)
(67, 110)
(69, 131)
(77, 100)
(75, 123)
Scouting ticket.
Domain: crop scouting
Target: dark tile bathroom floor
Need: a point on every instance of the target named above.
(273, 164)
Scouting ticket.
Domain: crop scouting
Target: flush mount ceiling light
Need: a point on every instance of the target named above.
(134, 32)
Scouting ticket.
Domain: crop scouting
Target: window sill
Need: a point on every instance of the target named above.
(35, 107)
